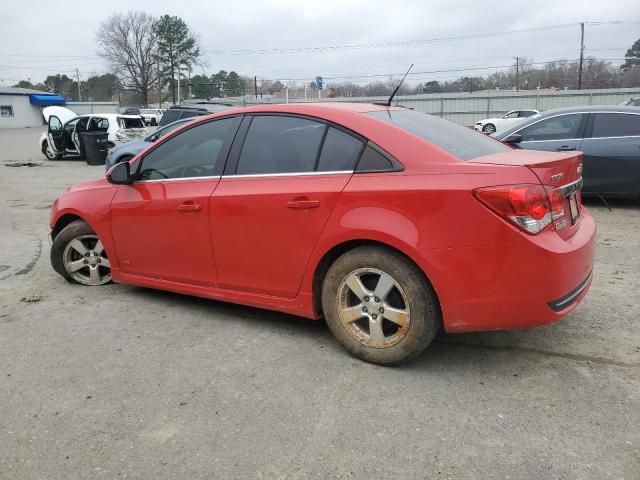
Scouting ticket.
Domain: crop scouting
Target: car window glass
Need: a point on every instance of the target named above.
(465, 143)
(561, 127)
(98, 124)
(130, 122)
(72, 124)
(191, 153)
(170, 116)
(161, 132)
(373, 161)
(54, 123)
(339, 151)
(280, 144)
(82, 123)
(189, 114)
(615, 125)
(511, 115)
(526, 113)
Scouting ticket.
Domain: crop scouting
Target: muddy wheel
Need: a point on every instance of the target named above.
(379, 306)
(79, 256)
(49, 153)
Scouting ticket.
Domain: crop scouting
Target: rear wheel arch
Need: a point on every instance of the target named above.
(340, 249)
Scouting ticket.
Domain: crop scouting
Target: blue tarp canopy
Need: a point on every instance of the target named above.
(46, 99)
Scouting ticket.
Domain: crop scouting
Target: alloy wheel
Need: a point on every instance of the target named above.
(373, 308)
(85, 259)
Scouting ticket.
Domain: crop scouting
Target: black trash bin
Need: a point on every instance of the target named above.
(95, 146)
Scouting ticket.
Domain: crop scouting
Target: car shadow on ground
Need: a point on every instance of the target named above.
(447, 350)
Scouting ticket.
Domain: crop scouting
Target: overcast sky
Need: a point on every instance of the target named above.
(40, 38)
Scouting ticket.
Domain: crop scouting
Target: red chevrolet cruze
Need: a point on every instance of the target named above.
(388, 222)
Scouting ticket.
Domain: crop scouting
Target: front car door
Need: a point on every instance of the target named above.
(611, 150)
(282, 181)
(55, 134)
(560, 133)
(160, 223)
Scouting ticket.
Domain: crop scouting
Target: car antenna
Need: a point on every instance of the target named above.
(388, 102)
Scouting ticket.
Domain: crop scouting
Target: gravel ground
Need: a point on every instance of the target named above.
(125, 382)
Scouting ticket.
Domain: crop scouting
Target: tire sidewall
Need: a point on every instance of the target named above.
(425, 315)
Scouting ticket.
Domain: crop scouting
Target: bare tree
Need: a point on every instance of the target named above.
(128, 42)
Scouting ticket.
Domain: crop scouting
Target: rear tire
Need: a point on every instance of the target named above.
(395, 314)
(79, 256)
(48, 152)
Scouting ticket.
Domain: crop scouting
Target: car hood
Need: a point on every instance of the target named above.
(64, 114)
(89, 185)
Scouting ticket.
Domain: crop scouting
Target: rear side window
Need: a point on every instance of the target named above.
(189, 114)
(339, 152)
(615, 125)
(130, 122)
(279, 144)
(460, 141)
(373, 160)
(169, 116)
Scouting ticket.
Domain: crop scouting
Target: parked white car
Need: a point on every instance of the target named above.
(508, 120)
(64, 127)
(151, 116)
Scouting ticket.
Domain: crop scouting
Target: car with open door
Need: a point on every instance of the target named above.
(389, 223)
(64, 129)
(608, 137)
(508, 120)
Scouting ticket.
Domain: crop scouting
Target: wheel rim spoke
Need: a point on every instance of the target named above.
(397, 316)
(351, 314)
(94, 274)
(384, 286)
(376, 335)
(75, 265)
(98, 248)
(356, 286)
(104, 262)
(78, 246)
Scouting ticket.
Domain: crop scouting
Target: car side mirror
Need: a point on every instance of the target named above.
(513, 139)
(120, 174)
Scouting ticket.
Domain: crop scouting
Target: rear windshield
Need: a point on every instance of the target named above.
(130, 122)
(460, 141)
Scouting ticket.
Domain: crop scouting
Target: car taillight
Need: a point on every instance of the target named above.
(531, 207)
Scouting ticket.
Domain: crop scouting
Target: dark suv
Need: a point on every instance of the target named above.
(178, 112)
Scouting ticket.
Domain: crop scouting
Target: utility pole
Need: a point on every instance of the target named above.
(179, 81)
(517, 73)
(159, 82)
(255, 87)
(78, 80)
(189, 91)
(581, 55)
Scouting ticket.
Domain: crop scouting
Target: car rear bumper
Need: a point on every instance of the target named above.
(532, 280)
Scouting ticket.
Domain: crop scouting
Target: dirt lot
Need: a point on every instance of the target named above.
(124, 382)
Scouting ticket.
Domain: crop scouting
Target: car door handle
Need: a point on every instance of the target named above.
(565, 148)
(303, 204)
(189, 207)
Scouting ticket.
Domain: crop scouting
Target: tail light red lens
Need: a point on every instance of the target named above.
(530, 207)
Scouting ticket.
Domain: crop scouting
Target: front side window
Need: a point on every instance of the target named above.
(55, 124)
(462, 142)
(561, 127)
(280, 144)
(98, 124)
(511, 115)
(615, 125)
(191, 153)
(526, 113)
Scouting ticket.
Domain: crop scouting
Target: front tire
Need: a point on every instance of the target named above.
(379, 306)
(79, 256)
(46, 150)
(489, 128)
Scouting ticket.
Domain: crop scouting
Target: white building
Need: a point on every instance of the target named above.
(21, 107)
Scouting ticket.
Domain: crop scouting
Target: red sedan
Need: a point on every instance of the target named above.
(388, 222)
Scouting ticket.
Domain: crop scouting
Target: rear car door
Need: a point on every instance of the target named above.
(611, 150)
(281, 183)
(160, 223)
(560, 133)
